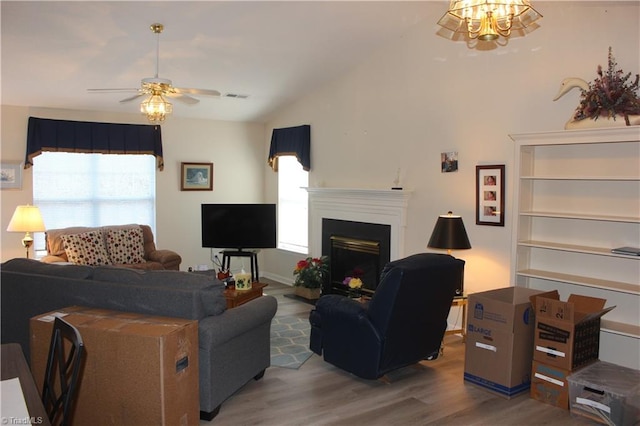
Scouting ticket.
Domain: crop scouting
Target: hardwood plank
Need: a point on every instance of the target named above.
(429, 393)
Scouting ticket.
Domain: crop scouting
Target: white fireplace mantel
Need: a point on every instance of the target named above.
(381, 206)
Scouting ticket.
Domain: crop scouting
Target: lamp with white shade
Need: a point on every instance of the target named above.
(26, 219)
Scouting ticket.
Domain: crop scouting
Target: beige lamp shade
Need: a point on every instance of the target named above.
(26, 219)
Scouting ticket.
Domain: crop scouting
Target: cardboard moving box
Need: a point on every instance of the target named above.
(567, 334)
(139, 369)
(499, 344)
(550, 385)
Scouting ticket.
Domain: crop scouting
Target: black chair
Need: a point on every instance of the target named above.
(402, 324)
(62, 374)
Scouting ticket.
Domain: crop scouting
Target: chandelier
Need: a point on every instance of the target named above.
(487, 20)
(156, 107)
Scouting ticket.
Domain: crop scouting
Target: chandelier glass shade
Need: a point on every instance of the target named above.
(156, 108)
(487, 20)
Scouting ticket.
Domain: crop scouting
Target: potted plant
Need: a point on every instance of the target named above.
(309, 276)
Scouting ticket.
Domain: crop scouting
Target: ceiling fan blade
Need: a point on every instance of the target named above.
(206, 92)
(132, 98)
(111, 90)
(182, 98)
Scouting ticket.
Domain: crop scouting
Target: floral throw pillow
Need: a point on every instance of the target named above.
(86, 248)
(125, 245)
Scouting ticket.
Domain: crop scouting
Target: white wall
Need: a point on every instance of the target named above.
(412, 99)
(226, 144)
(421, 95)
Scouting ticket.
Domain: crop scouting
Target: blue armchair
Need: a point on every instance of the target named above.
(402, 324)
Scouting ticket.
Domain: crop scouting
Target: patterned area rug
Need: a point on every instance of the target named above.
(290, 341)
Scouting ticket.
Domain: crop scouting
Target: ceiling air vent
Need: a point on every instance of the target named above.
(235, 95)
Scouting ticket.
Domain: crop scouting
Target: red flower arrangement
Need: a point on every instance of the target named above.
(310, 272)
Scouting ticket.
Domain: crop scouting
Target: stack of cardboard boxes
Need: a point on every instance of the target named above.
(566, 338)
(520, 339)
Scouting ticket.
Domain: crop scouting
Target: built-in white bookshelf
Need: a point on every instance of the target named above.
(577, 197)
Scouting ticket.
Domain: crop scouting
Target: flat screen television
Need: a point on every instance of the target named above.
(239, 226)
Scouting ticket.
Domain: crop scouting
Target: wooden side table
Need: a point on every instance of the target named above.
(239, 297)
(460, 301)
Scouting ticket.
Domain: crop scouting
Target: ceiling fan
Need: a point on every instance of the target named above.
(156, 88)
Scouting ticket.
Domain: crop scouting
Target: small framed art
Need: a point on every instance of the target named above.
(196, 177)
(11, 175)
(449, 162)
(490, 195)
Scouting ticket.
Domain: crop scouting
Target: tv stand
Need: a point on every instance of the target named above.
(253, 254)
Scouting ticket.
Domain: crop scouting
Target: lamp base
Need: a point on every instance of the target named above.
(27, 242)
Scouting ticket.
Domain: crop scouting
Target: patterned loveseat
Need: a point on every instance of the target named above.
(131, 246)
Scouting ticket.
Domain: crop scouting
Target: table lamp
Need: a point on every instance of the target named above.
(26, 219)
(450, 234)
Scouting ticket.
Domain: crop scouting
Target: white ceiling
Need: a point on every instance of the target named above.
(274, 52)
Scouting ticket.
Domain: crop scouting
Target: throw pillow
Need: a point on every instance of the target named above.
(125, 245)
(86, 248)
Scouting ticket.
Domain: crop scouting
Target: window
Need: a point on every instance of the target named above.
(293, 216)
(73, 189)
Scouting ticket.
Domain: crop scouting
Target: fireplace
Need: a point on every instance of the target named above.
(355, 249)
(372, 209)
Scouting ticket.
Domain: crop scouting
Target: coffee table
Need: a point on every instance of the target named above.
(239, 297)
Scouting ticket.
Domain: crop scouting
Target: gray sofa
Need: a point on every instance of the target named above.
(234, 345)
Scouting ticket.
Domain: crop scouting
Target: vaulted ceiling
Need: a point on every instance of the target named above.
(271, 52)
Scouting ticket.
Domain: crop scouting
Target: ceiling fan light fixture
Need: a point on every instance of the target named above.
(156, 108)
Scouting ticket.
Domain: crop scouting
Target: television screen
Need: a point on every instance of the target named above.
(239, 226)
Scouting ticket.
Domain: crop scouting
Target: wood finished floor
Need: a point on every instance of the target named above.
(430, 393)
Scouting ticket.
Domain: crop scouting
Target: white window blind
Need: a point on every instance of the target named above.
(73, 189)
(293, 215)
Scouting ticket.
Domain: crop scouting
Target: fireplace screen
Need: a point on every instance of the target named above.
(354, 258)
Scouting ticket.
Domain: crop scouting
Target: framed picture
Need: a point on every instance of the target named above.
(449, 162)
(11, 175)
(490, 195)
(196, 177)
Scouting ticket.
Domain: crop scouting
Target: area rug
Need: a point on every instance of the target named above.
(290, 341)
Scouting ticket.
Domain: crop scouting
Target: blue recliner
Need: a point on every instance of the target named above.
(402, 324)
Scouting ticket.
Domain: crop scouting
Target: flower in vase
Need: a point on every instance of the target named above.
(310, 272)
(354, 284)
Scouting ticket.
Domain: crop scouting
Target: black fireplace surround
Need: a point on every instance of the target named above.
(355, 249)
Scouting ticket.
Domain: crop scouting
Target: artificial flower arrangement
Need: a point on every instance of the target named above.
(354, 282)
(610, 94)
(311, 272)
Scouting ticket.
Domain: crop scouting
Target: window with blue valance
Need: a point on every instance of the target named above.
(90, 137)
(291, 141)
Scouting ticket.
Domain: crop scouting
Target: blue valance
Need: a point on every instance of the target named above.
(83, 136)
(291, 141)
